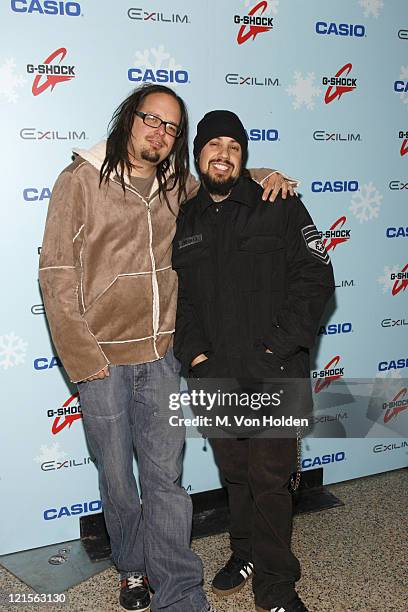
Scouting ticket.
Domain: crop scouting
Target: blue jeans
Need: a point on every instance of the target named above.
(129, 410)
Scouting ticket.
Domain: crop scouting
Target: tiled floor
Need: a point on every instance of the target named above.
(353, 558)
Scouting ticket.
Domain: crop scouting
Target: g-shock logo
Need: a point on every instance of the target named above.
(253, 23)
(329, 374)
(65, 416)
(401, 280)
(398, 404)
(49, 74)
(336, 234)
(339, 84)
(47, 7)
(404, 145)
(340, 29)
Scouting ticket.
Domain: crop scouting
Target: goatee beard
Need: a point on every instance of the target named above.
(151, 156)
(218, 187)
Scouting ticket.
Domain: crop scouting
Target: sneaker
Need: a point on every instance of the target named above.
(134, 593)
(295, 605)
(232, 577)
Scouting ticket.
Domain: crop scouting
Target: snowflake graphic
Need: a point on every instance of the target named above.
(154, 59)
(365, 205)
(50, 453)
(385, 280)
(404, 77)
(371, 7)
(271, 8)
(9, 81)
(12, 350)
(303, 90)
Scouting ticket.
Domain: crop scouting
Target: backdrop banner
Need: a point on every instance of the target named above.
(322, 90)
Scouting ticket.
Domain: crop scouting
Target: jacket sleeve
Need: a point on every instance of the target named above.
(259, 175)
(189, 341)
(310, 283)
(59, 275)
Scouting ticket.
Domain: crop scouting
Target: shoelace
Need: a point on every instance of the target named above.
(134, 582)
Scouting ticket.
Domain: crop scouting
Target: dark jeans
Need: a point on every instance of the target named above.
(129, 410)
(257, 472)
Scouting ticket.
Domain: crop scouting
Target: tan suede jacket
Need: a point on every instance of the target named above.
(105, 269)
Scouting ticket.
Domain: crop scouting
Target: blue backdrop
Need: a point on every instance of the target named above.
(65, 66)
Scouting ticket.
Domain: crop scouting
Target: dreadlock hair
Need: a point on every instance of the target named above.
(119, 135)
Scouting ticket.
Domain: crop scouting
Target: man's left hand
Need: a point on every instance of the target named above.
(274, 184)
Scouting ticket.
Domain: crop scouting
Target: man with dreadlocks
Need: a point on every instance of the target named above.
(110, 296)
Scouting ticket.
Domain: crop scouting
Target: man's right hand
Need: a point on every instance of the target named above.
(102, 374)
(201, 357)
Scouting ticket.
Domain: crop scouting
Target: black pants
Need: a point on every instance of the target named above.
(257, 472)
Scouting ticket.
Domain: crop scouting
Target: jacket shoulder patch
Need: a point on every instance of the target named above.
(314, 243)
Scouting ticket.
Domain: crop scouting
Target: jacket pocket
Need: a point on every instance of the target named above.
(124, 311)
(259, 258)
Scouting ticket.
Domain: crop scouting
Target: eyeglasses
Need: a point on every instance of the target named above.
(152, 121)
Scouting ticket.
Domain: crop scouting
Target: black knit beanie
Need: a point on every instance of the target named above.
(220, 123)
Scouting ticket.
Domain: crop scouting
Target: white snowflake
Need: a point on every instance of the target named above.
(365, 205)
(404, 77)
(12, 350)
(154, 59)
(271, 8)
(303, 90)
(9, 81)
(50, 453)
(371, 7)
(385, 280)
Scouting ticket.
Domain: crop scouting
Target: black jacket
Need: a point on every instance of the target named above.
(253, 276)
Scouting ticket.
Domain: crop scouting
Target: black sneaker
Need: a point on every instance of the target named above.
(232, 577)
(134, 593)
(295, 605)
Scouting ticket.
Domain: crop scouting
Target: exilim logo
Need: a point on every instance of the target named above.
(34, 134)
(233, 78)
(138, 14)
(322, 135)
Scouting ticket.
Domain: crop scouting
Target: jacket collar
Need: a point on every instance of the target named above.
(244, 192)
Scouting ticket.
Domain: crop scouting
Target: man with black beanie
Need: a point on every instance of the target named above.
(253, 284)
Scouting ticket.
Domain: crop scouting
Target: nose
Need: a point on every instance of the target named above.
(161, 129)
(224, 152)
